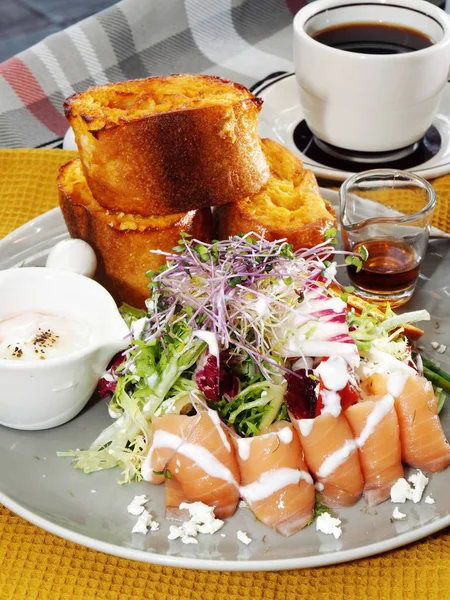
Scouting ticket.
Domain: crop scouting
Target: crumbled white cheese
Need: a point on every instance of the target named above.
(419, 482)
(243, 537)
(329, 525)
(401, 491)
(397, 515)
(440, 348)
(144, 523)
(202, 521)
(429, 500)
(242, 504)
(412, 489)
(136, 506)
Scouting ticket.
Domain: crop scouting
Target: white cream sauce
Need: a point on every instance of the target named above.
(396, 382)
(244, 444)
(198, 454)
(244, 447)
(41, 336)
(213, 415)
(305, 426)
(331, 403)
(211, 339)
(272, 481)
(333, 373)
(285, 435)
(339, 456)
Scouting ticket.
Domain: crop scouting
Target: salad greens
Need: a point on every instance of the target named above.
(385, 334)
(226, 325)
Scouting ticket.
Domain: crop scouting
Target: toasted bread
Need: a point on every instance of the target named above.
(122, 242)
(168, 144)
(288, 206)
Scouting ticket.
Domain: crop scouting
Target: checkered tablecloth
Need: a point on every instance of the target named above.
(242, 40)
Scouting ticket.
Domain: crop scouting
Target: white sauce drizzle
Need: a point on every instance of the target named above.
(285, 435)
(337, 458)
(210, 338)
(272, 481)
(396, 382)
(201, 456)
(333, 372)
(305, 426)
(244, 445)
(331, 403)
(380, 410)
(217, 424)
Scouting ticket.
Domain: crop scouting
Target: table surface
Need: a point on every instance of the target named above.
(37, 565)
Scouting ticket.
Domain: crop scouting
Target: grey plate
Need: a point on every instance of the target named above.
(91, 510)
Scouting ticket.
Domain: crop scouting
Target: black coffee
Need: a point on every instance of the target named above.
(373, 38)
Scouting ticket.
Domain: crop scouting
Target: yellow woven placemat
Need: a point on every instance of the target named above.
(36, 565)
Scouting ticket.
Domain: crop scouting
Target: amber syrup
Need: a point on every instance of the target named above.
(391, 267)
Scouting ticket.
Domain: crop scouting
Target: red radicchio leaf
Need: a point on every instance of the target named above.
(212, 383)
(300, 395)
(106, 388)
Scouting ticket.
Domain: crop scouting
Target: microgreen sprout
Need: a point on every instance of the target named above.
(167, 474)
(243, 290)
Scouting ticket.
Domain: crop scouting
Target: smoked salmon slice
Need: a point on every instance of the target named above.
(198, 454)
(332, 457)
(276, 484)
(423, 442)
(378, 439)
(174, 496)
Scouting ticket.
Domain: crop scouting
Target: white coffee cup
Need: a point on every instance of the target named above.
(370, 102)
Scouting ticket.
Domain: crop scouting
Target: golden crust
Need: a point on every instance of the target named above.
(168, 144)
(288, 206)
(122, 242)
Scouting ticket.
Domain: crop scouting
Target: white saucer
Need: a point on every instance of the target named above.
(282, 112)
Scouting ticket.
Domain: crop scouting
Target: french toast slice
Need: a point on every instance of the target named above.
(168, 144)
(122, 242)
(288, 206)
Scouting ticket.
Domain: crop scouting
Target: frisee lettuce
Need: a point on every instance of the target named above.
(154, 375)
(255, 408)
(385, 334)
